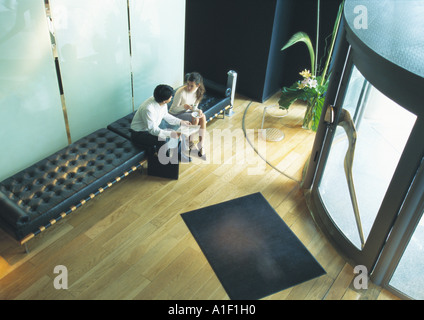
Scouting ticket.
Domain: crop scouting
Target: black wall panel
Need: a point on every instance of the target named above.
(247, 35)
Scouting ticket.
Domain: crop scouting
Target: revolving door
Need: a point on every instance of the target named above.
(364, 183)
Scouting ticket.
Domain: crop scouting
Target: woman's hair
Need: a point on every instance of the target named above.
(198, 80)
(162, 92)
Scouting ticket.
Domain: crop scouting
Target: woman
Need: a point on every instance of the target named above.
(185, 106)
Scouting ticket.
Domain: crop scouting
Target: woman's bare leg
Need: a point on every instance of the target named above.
(202, 123)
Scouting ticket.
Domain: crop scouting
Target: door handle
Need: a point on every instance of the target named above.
(346, 122)
(329, 114)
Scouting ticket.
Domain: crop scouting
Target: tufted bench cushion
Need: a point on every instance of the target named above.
(215, 101)
(51, 187)
(122, 126)
(212, 106)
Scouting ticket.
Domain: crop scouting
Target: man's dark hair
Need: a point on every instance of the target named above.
(162, 92)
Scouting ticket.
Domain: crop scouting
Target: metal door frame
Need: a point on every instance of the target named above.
(402, 178)
(401, 234)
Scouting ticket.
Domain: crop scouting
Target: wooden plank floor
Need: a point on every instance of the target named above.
(131, 243)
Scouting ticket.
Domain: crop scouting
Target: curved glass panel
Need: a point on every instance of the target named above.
(408, 275)
(382, 128)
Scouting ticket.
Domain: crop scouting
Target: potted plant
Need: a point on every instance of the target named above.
(313, 86)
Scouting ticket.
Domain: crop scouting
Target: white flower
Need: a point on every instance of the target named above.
(312, 83)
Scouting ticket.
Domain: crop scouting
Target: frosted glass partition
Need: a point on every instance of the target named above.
(31, 119)
(157, 42)
(93, 49)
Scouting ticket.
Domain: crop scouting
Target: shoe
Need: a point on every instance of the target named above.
(201, 153)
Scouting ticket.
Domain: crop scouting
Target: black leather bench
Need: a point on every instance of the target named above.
(39, 196)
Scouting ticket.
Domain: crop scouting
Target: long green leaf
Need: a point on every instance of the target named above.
(333, 40)
(317, 36)
(302, 37)
(317, 112)
(289, 96)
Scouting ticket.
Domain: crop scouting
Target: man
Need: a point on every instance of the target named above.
(145, 128)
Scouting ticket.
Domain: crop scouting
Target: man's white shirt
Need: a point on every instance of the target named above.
(149, 116)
